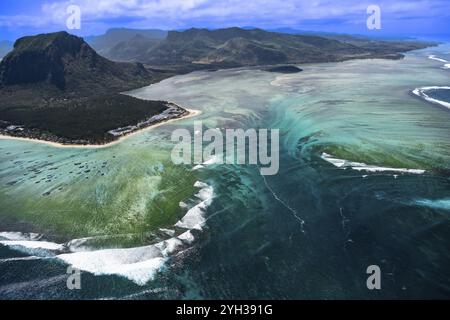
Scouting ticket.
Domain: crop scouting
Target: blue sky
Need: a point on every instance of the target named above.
(402, 17)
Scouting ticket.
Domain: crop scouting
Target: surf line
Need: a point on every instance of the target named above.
(293, 211)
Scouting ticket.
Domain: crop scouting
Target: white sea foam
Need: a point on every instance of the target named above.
(169, 232)
(433, 57)
(140, 264)
(169, 246)
(437, 204)
(343, 164)
(216, 159)
(279, 81)
(421, 92)
(31, 244)
(199, 184)
(192, 77)
(29, 258)
(137, 264)
(194, 218)
(82, 244)
(182, 205)
(85, 244)
(370, 168)
(446, 65)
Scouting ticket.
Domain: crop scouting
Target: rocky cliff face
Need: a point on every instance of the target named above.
(56, 87)
(68, 63)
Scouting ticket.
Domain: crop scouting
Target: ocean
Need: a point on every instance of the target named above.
(364, 180)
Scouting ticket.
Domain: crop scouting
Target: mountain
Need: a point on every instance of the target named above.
(55, 86)
(132, 49)
(236, 47)
(104, 43)
(70, 64)
(5, 47)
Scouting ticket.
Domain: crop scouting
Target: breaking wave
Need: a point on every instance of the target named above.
(139, 264)
(422, 92)
(359, 166)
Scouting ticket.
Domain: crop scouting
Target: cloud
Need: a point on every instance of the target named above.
(188, 9)
(173, 14)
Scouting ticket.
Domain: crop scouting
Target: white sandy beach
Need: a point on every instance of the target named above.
(192, 113)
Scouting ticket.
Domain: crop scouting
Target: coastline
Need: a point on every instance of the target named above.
(194, 112)
(191, 113)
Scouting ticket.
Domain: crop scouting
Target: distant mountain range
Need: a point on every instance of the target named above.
(109, 41)
(236, 47)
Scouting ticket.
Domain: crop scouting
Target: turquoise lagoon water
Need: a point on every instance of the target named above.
(142, 228)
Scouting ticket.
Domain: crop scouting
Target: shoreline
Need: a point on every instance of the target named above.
(191, 113)
(194, 112)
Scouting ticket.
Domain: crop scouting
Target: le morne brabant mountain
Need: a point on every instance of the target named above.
(113, 42)
(57, 87)
(235, 47)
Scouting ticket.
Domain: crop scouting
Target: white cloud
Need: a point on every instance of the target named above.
(185, 13)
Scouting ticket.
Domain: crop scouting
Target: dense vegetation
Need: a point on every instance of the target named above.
(81, 121)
